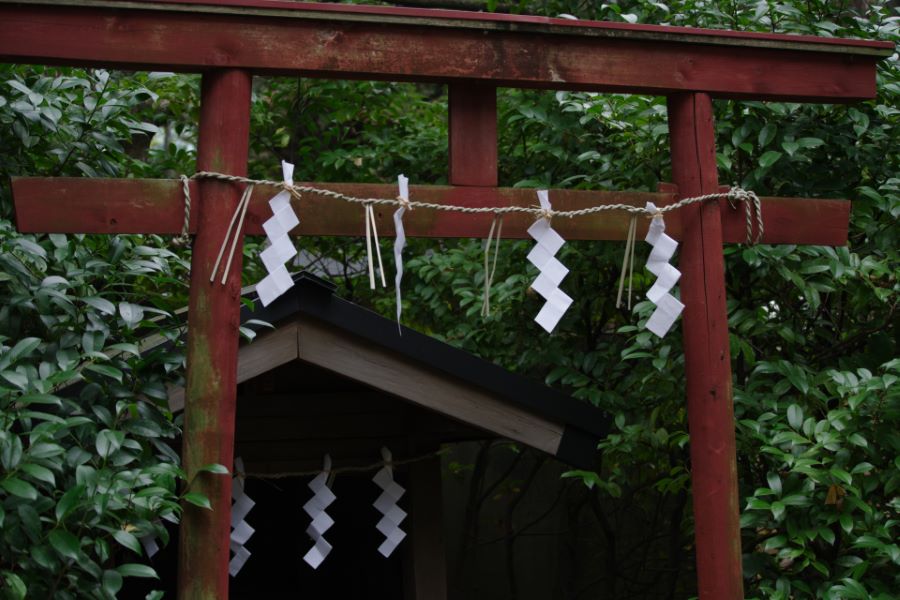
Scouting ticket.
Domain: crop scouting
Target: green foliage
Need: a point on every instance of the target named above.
(88, 343)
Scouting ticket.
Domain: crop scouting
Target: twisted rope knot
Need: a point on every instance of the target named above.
(753, 210)
(404, 202)
(290, 189)
(184, 239)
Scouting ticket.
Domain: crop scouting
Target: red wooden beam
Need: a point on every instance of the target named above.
(714, 485)
(212, 342)
(68, 205)
(281, 38)
(473, 134)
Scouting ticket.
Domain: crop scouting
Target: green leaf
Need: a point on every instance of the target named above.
(136, 570)
(213, 468)
(769, 158)
(101, 304)
(795, 416)
(767, 134)
(40, 473)
(846, 522)
(858, 440)
(108, 442)
(198, 500)
(15, 585)
(17, 379)
(23, 348)
(106, 370)
(69, 500)
(774, 482)
(128, 540)
(65, 543)
(132, 314)
(112, 582)
(39, 399)
(778, 510)
(20, 488)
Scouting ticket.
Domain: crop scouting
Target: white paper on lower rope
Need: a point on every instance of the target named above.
(150, 546)
(552, 271)
(241, 530)
(321, 521)
(386, 504)
(237, 562)
(400, 242)
(668, 308)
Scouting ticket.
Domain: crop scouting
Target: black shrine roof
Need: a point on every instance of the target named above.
(314, 298)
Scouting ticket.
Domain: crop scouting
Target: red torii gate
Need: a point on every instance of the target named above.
(230, 40)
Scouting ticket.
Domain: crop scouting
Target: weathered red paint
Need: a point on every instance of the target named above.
(213, 321)
(193, 38)
(472, 134)
(706, 349)
(66, 205)
(399, 14)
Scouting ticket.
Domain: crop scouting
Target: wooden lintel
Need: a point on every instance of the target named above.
(82, 205)
(433, 46)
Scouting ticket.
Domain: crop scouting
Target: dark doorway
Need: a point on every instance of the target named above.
(353, 569)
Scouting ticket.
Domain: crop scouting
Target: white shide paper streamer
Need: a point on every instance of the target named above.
(551, 270)
(400, 242)
(281, 249)
(240, 529)
(386, 504)
(149, 543)
(663, 248)
(321, 521)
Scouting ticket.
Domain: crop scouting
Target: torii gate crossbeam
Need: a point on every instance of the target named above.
(230, 40)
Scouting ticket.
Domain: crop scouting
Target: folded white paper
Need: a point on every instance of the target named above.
(552, 272)
(149, 543)
(400, 242)
(668, 308)
(386, 504)
(281, 249)
(241, 530)
(321, 521)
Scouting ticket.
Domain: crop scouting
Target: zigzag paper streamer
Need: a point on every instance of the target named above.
(400, 242)
(551, 270)
(386, 504)
(240, 529)
(149, 543)
(321, 521)
(281, 249)
(668, 307)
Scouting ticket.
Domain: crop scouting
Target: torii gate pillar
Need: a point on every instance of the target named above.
(212, 342)
(707, 357)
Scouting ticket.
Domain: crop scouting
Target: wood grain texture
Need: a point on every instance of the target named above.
(127, 36)
(212, 340)
(264, 354)
(69, 205)
(425, 552)
(479, 20)
(714, 484)
(472, 134)
(363, 362)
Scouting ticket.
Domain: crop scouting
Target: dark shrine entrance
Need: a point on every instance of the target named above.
(354, 568)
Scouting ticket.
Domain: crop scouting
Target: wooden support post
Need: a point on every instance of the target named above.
(707, 357)
(473, 134)
(426, 576)
(213, 321)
